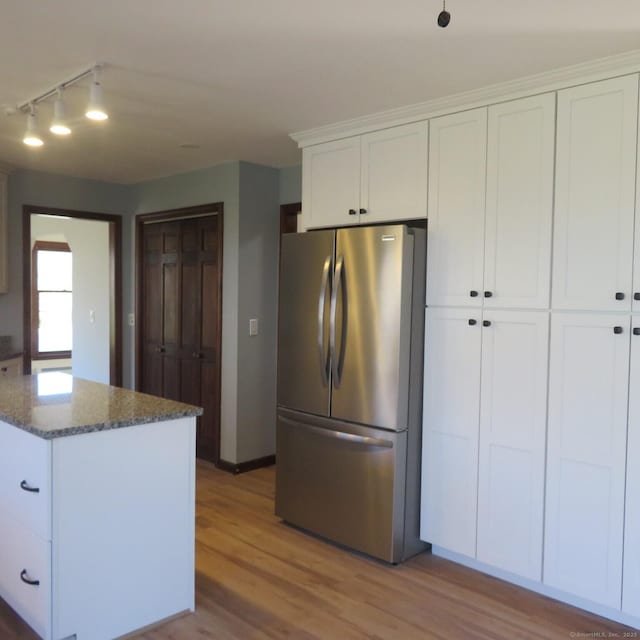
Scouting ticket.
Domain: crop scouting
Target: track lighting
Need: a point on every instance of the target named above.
(95, 108)
(444, 17)
(59, 123)
(32, 137)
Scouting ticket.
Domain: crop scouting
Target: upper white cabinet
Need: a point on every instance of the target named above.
(4, 233)
(517, 267)
(513, 420)
(455, 238)
(587, 431)
(594, 195)
(490, 205)
(376, 177)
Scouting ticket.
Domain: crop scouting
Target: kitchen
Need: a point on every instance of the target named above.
(252, 194)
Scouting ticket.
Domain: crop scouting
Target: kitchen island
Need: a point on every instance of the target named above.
(97, 506)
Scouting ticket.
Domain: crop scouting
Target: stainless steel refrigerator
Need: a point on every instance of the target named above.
(350, 354)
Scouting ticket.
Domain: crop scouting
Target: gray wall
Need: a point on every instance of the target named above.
(48, 190)
(290, 180)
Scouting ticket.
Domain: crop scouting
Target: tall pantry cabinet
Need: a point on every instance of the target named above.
(490, 212)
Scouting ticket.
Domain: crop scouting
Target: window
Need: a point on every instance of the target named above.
(51, 322)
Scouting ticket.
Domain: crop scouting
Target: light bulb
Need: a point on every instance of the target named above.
(59, 124)
(95, 108)
(32, 137)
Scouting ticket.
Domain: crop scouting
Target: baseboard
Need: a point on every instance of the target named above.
(249, 465)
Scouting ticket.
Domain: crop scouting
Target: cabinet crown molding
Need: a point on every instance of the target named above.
(591, 71)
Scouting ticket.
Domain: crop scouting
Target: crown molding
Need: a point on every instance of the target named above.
(592, 71)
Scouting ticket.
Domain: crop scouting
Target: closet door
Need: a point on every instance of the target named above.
(520, 154)
(594, 197)
(457, 175)
(450, 429)
(513, 420)
(588, 387)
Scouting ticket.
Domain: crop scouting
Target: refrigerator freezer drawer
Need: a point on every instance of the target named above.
(342, 481)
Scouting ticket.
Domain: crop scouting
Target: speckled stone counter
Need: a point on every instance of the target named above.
(56, 405)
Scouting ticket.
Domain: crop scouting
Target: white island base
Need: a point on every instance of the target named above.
(108, 536)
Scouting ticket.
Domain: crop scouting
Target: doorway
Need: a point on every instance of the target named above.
(108, 292)
(179, 311)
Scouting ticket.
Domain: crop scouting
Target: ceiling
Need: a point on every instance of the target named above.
(237, 76)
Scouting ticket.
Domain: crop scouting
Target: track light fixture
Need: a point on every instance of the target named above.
(444, 17)
(95, 109)
(32, 137)
(59, 123)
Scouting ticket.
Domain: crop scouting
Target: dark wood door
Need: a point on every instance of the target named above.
(181, 288)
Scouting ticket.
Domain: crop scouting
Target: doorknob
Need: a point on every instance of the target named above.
(160, 349)
(196, 354)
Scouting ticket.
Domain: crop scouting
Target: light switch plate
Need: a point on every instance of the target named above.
(253, 327)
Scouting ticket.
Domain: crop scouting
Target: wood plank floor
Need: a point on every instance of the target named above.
(258, 578)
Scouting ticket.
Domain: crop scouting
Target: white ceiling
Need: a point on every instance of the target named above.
(237, 76)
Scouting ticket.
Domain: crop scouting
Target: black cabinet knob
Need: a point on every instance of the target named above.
(473, 294)
(363, 211)
(488, 294)
(352, 212)
(619, 295)
(617, 330)
(636, 331)
(636, 295)
(486, 323)
(472, 322)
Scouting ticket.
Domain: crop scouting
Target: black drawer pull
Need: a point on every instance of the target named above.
(486, 323)
(488, 294)
(25, 487)
(617, 330)
(4, 369)
(472, 322)
(636, 331)
(23, 577)
(636, 295)
(352, 212)
(619, 295)
(473, 294)
(363, 211)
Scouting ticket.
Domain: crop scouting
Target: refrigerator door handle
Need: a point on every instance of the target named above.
(340, 435)
(337, 286)
(322, 352)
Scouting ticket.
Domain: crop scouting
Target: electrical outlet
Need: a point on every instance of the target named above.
(92, 316)
(132, 319)
(253, 327)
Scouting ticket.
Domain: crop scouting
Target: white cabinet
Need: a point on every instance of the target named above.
(587, 431)
(450, 429)
(631, 568)
(457, 174)
(4, 235)
(490, 206)
(594, 195)
(376, 177)
(513, 418)
(11, 368)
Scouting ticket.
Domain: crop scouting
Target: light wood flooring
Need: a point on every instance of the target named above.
(258, 578)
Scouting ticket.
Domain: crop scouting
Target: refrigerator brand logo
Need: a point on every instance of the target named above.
(388, 238)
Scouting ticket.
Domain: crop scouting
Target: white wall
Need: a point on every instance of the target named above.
(89, 242)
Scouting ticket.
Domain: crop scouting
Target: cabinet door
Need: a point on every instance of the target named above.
(450, 429)
(4, 233)
(513, 421)
(631, 570)
(588, 385)
(517, 267)
(394, 174)
(457, 174)
(594, 197)
(331, 183)
(636, 261)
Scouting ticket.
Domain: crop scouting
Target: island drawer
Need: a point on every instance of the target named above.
(25, 479)
(26, 558)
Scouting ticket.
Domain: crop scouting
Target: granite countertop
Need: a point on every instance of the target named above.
(55, 405)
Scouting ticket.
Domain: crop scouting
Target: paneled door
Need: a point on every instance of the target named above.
(180, 314)
(586, 455)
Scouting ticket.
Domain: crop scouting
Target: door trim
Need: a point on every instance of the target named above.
(115, 282)
(171, 215)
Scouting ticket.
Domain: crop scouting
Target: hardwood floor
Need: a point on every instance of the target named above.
(258, 578)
